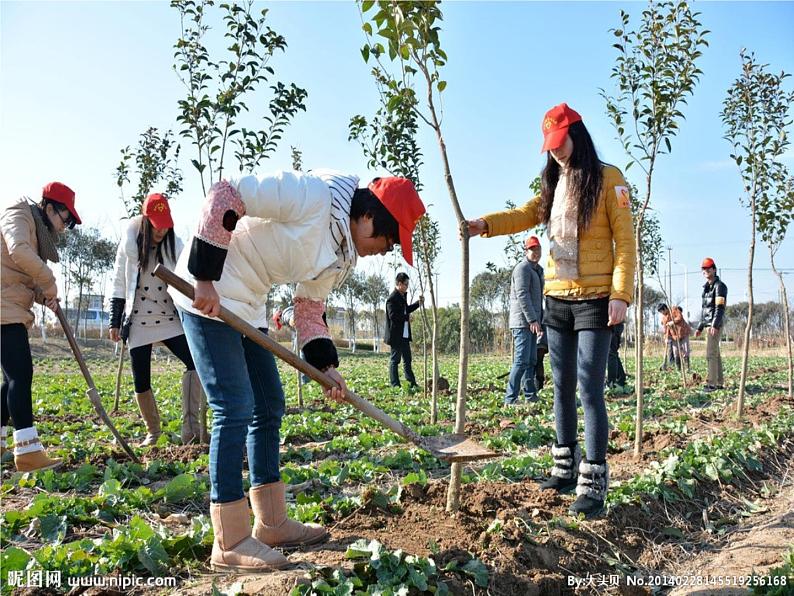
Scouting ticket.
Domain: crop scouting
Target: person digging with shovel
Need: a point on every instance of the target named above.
(288, 227)
(142, 314)
(29, 239)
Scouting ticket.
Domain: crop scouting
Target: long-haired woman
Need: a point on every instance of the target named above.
(29, 238)
(584, 203)
(142, 314)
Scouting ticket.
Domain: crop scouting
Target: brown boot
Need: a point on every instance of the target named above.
(192, 397)
(234, 548)
(272, 526)
(150, 415)
(29, 454)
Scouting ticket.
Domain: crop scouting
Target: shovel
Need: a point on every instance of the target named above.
(93, 394)
(452, 448)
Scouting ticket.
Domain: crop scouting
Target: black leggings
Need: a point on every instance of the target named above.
(141, 358)
(17, 400)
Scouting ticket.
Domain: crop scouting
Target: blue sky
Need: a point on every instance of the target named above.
(80, 80)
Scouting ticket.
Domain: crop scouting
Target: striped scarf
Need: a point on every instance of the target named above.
(342, 188)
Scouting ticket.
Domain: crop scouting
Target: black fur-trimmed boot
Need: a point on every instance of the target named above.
(591, 489)
(563, 474)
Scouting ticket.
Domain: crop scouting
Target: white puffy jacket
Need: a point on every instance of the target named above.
(295, 230)
(125, 272)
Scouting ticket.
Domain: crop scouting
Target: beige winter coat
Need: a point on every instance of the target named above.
(25, 276)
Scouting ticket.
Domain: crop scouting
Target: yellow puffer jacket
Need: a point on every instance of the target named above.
(607, 254)
(24, 274)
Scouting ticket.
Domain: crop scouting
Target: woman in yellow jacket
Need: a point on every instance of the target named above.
(29, 236)
(584, 204)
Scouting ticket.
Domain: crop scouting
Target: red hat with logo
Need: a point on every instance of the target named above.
(531, 242)
(156, 208)
(708, 263)
(400, 198)
(60, 193)
(555, 126)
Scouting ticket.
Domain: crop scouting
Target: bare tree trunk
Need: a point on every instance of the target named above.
(786, 322)
(453, 493)
(749, 326)
(639, 340)
(425, 333)
(433, 345)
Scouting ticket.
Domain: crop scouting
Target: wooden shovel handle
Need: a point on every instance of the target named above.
(255, 335)
(93, 394)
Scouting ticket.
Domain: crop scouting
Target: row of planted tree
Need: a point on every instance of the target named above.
(656, 71)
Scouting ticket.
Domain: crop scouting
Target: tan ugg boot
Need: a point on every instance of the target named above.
(192, 408)
(272, 526)
(234, 548)
(29, 454)
(150, 415)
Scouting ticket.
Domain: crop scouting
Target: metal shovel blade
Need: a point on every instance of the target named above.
(456, 448)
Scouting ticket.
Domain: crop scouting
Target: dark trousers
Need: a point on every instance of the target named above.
(616, 375)
(17, 364)
(400, 348)
(141, 358)
(540, 373)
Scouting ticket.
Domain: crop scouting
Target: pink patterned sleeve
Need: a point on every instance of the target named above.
(308, 320)
(216, 223)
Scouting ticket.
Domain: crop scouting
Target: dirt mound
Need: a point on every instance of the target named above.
(515, 529)
(182, 453)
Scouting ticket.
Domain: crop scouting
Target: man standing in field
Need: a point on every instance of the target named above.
(715, 297)
(398, 330)
(526, 313)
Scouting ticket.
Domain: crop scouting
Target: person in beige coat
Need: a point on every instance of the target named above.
(29, 235)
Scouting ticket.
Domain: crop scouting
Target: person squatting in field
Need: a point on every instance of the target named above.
(30, 235)
(142, 314)
(589, 284)
(675, 331)
(288, 227)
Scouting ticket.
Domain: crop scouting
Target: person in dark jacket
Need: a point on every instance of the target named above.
(526, 312)
(398, 330)
(715, 298)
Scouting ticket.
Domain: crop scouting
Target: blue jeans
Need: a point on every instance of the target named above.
(244, 391)
(522, 373)
(580, 357)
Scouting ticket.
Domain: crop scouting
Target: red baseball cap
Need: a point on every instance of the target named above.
(60, 193)
(531, 242)
(156, 208)
(708, 263)
(555, 126)
(400, 198)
